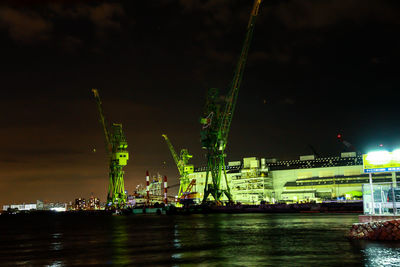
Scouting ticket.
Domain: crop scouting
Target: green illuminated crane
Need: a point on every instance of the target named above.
(116, 147)
(217, 120)
(182, 163)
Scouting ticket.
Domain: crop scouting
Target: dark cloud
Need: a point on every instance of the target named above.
(25, 26)
(46, 22)
(53, 152)
(105, 16)
(71, 43)
(300, 14)
(10, 160)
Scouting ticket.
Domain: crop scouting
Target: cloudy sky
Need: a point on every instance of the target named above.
(315, 68)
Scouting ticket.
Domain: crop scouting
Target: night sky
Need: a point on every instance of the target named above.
(315, 68)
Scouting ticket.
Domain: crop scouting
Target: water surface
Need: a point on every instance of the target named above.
(204, 239)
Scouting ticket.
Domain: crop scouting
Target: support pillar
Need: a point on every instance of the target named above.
(394, 181)
(372, 194)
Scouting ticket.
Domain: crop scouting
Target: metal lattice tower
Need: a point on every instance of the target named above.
(116, 147)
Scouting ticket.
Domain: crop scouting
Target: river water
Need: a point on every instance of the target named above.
(189, 240)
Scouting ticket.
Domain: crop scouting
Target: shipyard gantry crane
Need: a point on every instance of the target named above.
(116, 147)
(217, 120)
(181, 162)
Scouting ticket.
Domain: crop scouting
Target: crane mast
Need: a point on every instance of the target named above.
(217, 120)
(181, 162)
(116, 147)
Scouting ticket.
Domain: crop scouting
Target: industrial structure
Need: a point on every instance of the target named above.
(155, 191)
(216, 122)
(116, 147)
(306, 179)
(182, 163)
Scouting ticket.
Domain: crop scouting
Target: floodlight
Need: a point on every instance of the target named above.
(396, 155)
(379, 157)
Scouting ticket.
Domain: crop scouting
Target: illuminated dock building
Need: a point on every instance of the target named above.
(306, 179)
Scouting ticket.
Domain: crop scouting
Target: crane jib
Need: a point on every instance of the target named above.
(103, 121)
(236, 81)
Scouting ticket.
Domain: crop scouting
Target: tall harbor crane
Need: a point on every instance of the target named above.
(116, 147)
(181, 162)
(217, 118)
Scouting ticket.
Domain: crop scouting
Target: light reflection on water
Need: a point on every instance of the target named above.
(57, 243)
(381, 254)
(56, 264)
(177, 244)
(214, 239)
(120, 237)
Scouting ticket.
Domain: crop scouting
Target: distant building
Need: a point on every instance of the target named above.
(80, 204)
(40, 205)
(93, 203)
(155, 192)
(20, 207)
(57, 206)
(130, 201)
(70, 205)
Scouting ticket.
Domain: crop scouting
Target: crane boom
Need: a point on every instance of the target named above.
(238, 76)
(102, 121)
(174, 154)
